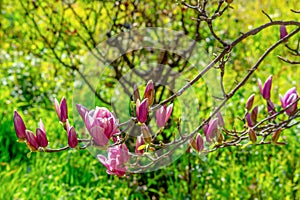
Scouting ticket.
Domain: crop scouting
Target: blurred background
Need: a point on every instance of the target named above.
(42, 49)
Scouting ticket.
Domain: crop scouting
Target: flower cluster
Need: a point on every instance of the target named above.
(142, 106)
(288, 102)
(39, 140)
(104, 128)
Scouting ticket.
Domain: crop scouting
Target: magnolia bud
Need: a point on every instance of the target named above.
(19, 126)
(41, 137)
(72, 138)
(149, 92)
(197, 144)
(252, 135)
(266, 89)
(254, 114)
(249, 103)
(146, 133)
(142, 110)
(31, 141)
(276, 135)
(220, 137)
(61, 109)
(283, 31)
(220, 119)
(136, 93)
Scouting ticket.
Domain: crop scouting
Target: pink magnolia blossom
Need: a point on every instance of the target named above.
(116, 160)
(19, 126)
(163, 114)
(100, 123)
(221, 122)
(72, 137)
(31, 141)
(61, 109)
(41, 135)
(136, 93)
(271, 107)
(142, 110)
(251, 118)
(266, 89)
(290, 96)
(283, 31)
(149, 92)
(210, 129)
(198, 143)
(249, 103)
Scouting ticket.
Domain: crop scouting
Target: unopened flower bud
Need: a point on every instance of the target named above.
(249, 103)
(198, 143)
(271, 107)
(252, 135)
(276, 135)
(41, 137)
(146, 133)
(19, 126)
(163, 114)
(220, 137)
(31, 141)
(61, 109)
(220, 119)
(136, 93)
(254, 114)
(149, 92)
(142, 110)
(283, 31)
(266, 89)
(249, 121)
(72, 138)
(211, 130)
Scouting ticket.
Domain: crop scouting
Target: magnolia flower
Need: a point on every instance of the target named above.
(283, 31)
(149, 92)
(31, 141)
(252, 135)
(146, 133)
(139, 142)
(41, 135)
(72, 138)
(266, 89)
(61, 109)
(249, 103)
(271, 107)
(221, 122)
(290, 96)
(116, 160)
(251, 118)
(136, 93)
(211, 129)
(198, 143)
(19, 126)
(142, 110)
(163, 114)
(82, 110)
(100, 123)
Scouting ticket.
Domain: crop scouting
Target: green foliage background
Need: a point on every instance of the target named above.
(30, 80)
